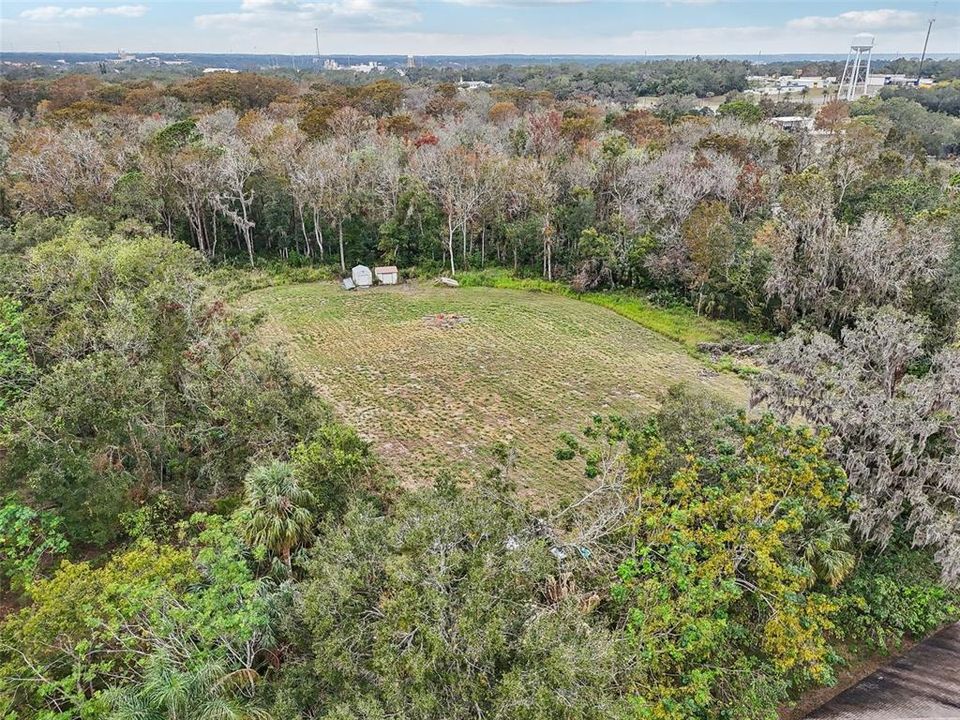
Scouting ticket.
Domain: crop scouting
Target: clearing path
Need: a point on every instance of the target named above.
(434, 376)
(922, 684)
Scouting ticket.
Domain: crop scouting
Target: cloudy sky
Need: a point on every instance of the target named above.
(468, 27)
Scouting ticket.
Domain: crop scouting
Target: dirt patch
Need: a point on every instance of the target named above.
(445, 321)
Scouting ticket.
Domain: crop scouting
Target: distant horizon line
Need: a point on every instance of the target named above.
(796, 54)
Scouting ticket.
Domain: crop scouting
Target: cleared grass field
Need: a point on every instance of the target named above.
(510, 365)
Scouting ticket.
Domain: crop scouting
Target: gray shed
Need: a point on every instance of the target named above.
(362, 277)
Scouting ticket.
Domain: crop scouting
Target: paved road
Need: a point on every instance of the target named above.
(922, 684)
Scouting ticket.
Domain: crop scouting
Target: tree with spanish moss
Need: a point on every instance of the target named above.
(894, 412)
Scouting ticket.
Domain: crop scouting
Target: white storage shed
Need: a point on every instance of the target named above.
(387, 274)
(362, 277)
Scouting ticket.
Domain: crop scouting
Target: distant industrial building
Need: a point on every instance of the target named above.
(876, 83)
(369, 67)
(792, 123)
(473, 84)
(786, 85)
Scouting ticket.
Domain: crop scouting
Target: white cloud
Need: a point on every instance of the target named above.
(687, 41)
(284, 15)
(860, 20)
(40, 14)
(81, 12)
(514, 3)
(49, 13)
(129, 11)
(254, 5)
(394, 27)
(548, 3)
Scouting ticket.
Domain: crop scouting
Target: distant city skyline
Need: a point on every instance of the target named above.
(475, 27)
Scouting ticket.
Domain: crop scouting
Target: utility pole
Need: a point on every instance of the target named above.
(923, 56)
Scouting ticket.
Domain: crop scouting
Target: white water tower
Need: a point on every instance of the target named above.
(856, 72)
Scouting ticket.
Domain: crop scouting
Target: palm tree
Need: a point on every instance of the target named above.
(824, 550)
(169, 690)
(278, 514)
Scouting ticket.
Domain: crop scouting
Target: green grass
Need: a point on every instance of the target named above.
(677, 323)
(522, 369)
(233, 280)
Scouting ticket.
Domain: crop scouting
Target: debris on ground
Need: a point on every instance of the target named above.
(445, 321)
(731, 348)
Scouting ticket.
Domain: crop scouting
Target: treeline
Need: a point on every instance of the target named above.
(78, 97)
(617, 82)
(941, 98)
(709, 210)
(940, 70)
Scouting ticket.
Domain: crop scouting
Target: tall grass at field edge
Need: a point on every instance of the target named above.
(677, 323)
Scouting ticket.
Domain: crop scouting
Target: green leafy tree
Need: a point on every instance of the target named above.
(413, 233)
(743, 110)
(937, 133)
(16, 367)
(28, 538)
(451, 607)
(134, 198)
(709, 240)
(333, 464)
(57, 653)
(597, 260)
(69, 437)
(726, 598)
(893, 595)
(195, 613)
(902, 198)
(148, 384)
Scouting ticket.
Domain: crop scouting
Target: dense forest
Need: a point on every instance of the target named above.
(188, 531)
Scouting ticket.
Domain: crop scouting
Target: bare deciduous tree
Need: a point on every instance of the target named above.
(235, 166)
(312, 182)
(62, 171)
